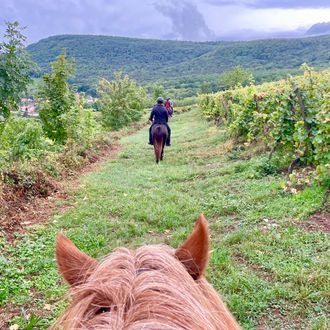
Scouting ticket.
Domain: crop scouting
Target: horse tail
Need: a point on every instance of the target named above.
(158, 143)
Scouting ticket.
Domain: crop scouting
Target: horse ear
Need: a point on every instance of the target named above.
(193, 253)
(74, 265)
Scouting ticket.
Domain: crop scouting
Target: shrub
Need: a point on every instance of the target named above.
(22, 139)
(79, 125)
(121, 101)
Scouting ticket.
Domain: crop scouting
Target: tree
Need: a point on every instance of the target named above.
(238, 76)
(205, 87)
(57, 98)
(121, 101)
(15, 68)
(157, 91)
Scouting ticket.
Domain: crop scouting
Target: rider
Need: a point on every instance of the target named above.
(169, 106)
(159, 115)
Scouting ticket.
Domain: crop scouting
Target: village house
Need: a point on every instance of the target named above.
(28, 107)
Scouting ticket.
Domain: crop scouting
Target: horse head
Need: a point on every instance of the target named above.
(153, 287)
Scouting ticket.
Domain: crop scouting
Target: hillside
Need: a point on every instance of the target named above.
(100, 56)
(262, 55)
(152, 60)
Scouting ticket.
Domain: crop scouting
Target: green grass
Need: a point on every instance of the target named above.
(266, 267)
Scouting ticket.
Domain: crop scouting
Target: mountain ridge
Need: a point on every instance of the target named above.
(168, 61)
(319, 29)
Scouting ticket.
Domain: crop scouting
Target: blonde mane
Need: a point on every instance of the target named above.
(149, 288)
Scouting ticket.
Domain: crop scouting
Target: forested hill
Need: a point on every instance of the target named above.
(151, 60)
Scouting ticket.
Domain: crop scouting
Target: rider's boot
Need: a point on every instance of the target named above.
(150, 138)
(168, 140)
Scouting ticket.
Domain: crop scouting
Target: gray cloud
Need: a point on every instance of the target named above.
(284, 4)
(112, 17)
(187, 22)
(170, 19)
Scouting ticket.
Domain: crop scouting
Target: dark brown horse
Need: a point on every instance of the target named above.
(153, 287)
(159, 135)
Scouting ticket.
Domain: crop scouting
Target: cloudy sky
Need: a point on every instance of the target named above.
(166, 19)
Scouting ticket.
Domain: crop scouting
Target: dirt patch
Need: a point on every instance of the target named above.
(7, 314)
(21, 209)
(12, 311)
(264, 322)
(318, 222)
(21, 213)
(276, 320)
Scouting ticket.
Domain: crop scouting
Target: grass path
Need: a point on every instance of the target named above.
(271, 273)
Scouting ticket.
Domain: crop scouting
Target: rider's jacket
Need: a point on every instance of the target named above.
(159, 114)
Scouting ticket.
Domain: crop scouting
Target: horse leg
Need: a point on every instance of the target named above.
(158, 150)
(163, 147)
(157, 156)
(162, 153)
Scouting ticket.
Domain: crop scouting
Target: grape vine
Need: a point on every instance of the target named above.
(291, 116)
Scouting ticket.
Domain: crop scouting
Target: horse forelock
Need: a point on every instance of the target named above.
(144, 289)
